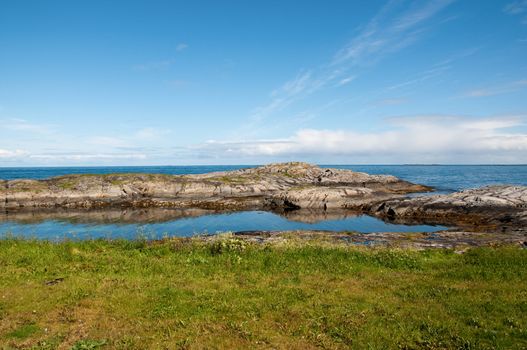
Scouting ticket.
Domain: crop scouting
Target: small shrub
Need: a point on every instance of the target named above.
(227, 245)
(87, 344)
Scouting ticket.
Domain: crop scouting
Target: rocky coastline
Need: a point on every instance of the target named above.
(295, 190)
(280, 186)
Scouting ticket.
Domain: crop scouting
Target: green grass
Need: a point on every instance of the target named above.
(230, 294)
(23, 331)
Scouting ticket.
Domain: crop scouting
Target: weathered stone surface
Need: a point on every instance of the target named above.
(487, 208)
(298, 184)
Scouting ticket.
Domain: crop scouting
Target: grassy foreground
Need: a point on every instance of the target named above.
(227, 294)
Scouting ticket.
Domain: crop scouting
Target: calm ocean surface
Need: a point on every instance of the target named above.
(444, 178)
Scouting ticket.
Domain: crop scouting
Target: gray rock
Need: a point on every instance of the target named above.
(490, 208)
(298, 184)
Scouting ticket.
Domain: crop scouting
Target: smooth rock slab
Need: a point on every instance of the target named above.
(501, 208)
(299, 184)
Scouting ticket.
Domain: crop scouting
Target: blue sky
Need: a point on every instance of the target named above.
(250, 82)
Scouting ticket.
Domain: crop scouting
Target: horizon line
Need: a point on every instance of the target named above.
(260, 164)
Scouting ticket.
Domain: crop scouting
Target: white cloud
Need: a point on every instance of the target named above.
(498, 89)
(449, 139)
(445, 136)
(347, 80)
(4, 153)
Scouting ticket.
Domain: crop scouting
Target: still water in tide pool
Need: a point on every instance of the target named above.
(80, 227)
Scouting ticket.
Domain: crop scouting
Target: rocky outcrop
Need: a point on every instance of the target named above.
(272, 186)
(491, 208)
(277, 187)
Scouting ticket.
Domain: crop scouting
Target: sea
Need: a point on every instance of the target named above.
(79, 225)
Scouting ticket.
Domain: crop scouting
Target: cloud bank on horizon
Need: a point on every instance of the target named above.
(398, 81)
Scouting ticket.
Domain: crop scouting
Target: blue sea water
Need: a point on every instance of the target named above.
(444, 178)
(450, 178)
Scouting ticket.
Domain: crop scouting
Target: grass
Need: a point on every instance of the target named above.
(231, 294)
(67, 185)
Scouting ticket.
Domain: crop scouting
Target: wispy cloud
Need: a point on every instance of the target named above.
(421, 77)
(517, 8)
(23, 125)
(285, 95)
(385, 33)
(388, 32)
(162, 64)
(295, 86)
(421, 136)
(346, 80)
(181, 47)
(498, 89)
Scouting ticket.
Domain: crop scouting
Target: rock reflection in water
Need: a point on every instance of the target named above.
(157, 222)
(312, 216)
(156, 215)
(104, 216)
